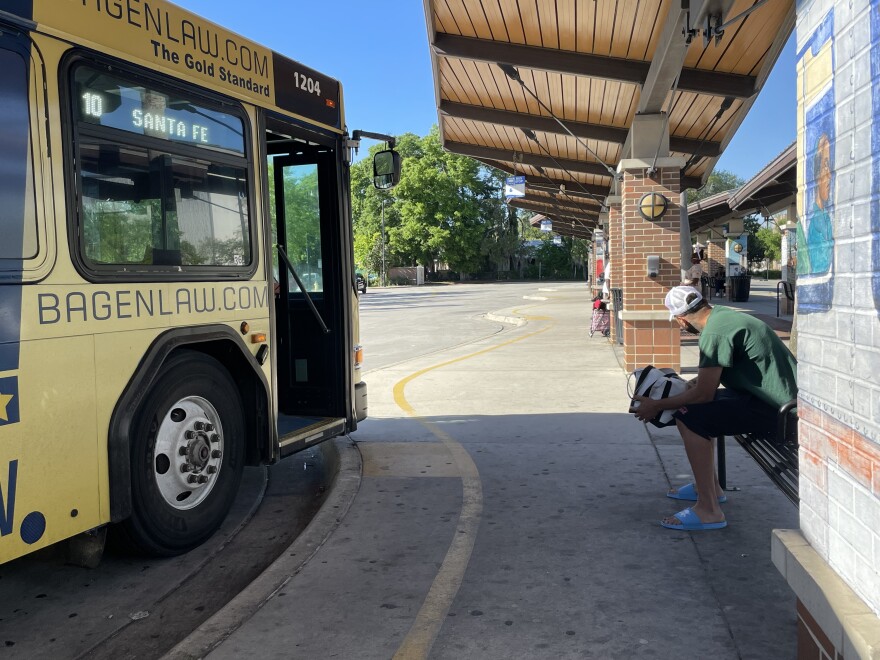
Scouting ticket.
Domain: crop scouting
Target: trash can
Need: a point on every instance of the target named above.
(617, 305)
(738, 287)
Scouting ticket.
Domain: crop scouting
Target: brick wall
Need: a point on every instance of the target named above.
(715, 257)
(838, 287)
(615, 251)
(654, 342)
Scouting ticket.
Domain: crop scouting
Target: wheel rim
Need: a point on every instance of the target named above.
(189, 452)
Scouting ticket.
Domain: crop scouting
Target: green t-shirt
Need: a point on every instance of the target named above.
(753, 357)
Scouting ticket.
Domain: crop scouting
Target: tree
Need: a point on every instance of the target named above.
(764, 242)
(718, 181)
(446, 209)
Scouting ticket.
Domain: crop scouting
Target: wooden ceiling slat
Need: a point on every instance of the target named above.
(692, 114)
(649, 15)
(495, 17)
(478, 19)
(557, 97)
(444, 21)
(612, 89)
(568, 97)
(478, 82)
(462, 18)
(452, 82)
(624, 20)
(549, 30)
(762, 29)
(597, 95)
(510, 11)
(531, 22)
(582, 103)
(604, 27)
(500, 136)
(565, 14)
(466, 81)
(452, 130)
(530, 78)
(585, 24)
(657, 28)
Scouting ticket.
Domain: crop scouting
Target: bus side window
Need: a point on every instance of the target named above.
(153, 196)
(18, 220)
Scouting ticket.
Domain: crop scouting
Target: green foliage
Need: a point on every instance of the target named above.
(718, 181)
(771, 240)
(447, 210)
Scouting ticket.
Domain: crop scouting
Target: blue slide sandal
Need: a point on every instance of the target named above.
(690, 522)
(689, 492)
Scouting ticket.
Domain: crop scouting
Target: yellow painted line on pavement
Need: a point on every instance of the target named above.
(420, 638)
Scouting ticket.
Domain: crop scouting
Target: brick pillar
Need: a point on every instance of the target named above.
(716, 258)
(615, 252)
(649, 336)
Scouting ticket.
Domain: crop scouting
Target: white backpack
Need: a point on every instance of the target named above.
(657, 384)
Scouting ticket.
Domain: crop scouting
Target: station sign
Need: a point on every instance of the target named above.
(515, 186)
(546, 225)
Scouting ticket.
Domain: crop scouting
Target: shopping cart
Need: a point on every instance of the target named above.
(600, 321)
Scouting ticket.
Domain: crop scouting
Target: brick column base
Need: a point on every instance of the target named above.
(651, 342)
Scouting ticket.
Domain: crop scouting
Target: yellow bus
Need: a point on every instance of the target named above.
(177, 292)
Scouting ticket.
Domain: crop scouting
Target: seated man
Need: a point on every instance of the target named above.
(694, 273)
(759, 376)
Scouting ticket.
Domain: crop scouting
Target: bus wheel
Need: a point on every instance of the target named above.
(187, 456)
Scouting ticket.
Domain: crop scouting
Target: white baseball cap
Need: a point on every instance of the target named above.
(676, 300)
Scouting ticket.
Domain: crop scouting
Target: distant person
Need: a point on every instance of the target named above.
(694, 273)
(759, 376)
(719, 282)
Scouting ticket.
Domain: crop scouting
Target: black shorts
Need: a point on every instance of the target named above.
(731, 412)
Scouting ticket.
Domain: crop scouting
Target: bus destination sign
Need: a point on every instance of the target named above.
(168, 37)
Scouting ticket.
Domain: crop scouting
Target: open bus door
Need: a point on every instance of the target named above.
(312, 324)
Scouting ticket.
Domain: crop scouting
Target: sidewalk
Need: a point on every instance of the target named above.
(513, 514)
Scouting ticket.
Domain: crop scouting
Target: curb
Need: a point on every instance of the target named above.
(512, 320)
(344, 462)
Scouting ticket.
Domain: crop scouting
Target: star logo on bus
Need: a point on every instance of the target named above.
(9, 401)
(5, 400)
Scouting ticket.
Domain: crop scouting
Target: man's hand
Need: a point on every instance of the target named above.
(647, 409)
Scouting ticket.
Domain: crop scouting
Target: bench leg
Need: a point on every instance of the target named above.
(722, 462)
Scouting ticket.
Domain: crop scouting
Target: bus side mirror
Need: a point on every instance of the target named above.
(386, 169)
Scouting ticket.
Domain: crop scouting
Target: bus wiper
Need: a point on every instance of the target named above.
(302, 288)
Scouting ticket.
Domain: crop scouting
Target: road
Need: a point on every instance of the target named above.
(140, 607)
(398, 324)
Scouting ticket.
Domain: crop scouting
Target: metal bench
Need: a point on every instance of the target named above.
(784, 287)
(776, 454)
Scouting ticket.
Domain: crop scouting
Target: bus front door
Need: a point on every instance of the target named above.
(309, 317)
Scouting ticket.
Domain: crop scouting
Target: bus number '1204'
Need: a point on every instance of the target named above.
(307, 84)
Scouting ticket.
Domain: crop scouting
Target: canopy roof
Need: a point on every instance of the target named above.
(770, 190)
(594, 65)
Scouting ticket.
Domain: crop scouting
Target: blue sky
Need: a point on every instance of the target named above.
(381, 57)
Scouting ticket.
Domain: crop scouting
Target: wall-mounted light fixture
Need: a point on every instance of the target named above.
(653, 206)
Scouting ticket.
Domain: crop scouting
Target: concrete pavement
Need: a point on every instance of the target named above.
(501, 503)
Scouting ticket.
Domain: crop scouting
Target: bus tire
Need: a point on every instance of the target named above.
(187, 456)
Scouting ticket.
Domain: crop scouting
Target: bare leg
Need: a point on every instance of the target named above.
(701, 455)
(719, 491)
